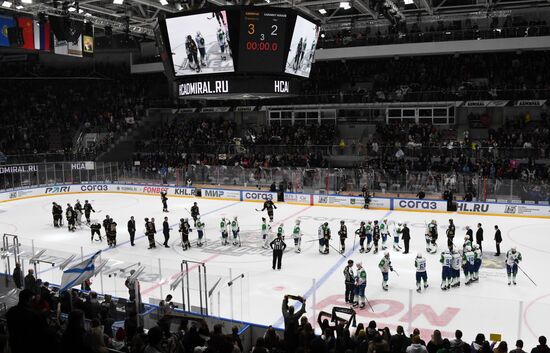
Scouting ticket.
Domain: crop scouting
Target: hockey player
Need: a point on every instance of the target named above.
(384, 232)
(368, 231)
(71, 217)
(269, 206)
(200, 230)
(385, 266)
(235, 229)
(477, 262)
(184, 230)
(428, 236)
(223, 230)
(396, 235)
(467, 242)
(220, 35)
(94, 229)
(111, 233)
(446, 269)
(321, 235)
(88, 209)
(266, 228)
(195, 214)
(150, 233)
(432, 228)
(164, 200)
(297, 235)
(55, 215)
(326, 237)
(281, 230)
(360, 285)
(361, 232)
(421, 275)
(457, 264)
(450, 233)
(375, 236)
(513, 257)
(199, 39)
(468, 260)
(192, 55)
(343, 233)
(106, 222)
(78, 212)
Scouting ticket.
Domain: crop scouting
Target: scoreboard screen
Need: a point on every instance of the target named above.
(238, 40)
(262, 40)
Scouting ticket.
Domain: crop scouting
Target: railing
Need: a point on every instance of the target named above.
(382, 182)
(435, 36)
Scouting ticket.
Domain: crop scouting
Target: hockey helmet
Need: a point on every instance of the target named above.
(468, 248)
(419, 255)
(297, 221)
(399, 223)
(513, 249)
(375, 221)
(363, 223)
(476, 246)
(386, 253)
(263, 219)
(146, 219)
(359, 264)
(369, 222)
(235, 218)
(182, 220)
(326, 224)
(342, 222)
(385, 220)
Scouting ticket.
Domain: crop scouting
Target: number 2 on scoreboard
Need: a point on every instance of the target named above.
(274, 29)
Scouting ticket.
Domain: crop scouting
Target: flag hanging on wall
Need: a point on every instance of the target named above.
(27, 30)
(42, 35)
(5, 23)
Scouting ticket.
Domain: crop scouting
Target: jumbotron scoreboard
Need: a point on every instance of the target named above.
(237, 52)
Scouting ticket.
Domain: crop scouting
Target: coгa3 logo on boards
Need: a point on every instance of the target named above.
(414, 204)
(94, 188)
(510, 209)
(57, 189)
(257, 196)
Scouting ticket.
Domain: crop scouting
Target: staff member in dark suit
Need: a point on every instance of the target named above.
(278, 246)
(166, 231)
(406, 236)
(479, 236)
(498, 240)
(17, 275)
(132, 229)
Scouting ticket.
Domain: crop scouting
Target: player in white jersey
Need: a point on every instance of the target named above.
(385, 266)
(360, 285)
(321, 234)
(477, 261)
(467, 242)
(266, 228)
(281, 230)
(235, 229)
(384, 232)
(457, 264)
(468, 265)
(421, 275)
(368, 232)
(397, 231)
(297, 235)
(447, 269)
(224, 224)
(513, 257)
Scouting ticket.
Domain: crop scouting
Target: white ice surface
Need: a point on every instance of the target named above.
(489, 306)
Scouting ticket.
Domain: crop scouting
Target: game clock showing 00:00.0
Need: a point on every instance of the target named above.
(262, 41)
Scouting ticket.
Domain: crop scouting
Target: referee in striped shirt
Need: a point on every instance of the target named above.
(278, 246)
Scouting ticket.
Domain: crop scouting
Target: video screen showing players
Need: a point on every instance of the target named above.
(200, 44)
(302, 47)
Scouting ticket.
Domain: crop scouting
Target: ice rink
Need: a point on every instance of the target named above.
(488, 306)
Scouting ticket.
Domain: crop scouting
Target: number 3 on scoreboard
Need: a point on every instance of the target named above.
(251, 28)
(274, 30)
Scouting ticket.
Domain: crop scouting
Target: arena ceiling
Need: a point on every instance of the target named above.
(138, 16)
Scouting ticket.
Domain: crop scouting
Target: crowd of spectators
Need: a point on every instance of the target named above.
(442, 77)
(89, 327)
(42, 108)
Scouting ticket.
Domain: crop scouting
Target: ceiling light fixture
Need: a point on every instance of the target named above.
(345, 5)
(322, 11)
(163, 2)
(118, 2)
(6, 4)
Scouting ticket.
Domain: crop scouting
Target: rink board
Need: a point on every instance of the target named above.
(377, 203)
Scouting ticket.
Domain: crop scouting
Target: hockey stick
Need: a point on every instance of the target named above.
(526, 275)
(395, 272)
(369, 304)
(336, 250)
(239, 237)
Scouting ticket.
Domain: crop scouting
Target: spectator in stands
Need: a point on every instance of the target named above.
(92, 306)
(519, 347)
(501, 348)
(458, 345)
(94, 338)
(17, 276)
(30, 281)
(542, 347)
(436, 343)
(235, 338)
(119, 341)
(271, 339)
(154, 340)
(416, 346)
(379, 345)
(259, 347)
(72, 340)
(291, 322)
(399, 342)
(21, 321)
(480, 345)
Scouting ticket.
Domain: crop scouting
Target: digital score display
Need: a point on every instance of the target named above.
(262, 40)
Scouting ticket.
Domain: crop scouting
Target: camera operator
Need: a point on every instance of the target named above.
(366, 196)
(291, 322)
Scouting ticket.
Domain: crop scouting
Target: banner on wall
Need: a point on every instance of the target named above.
(221, 194)
(260, 196)
(419, 205)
